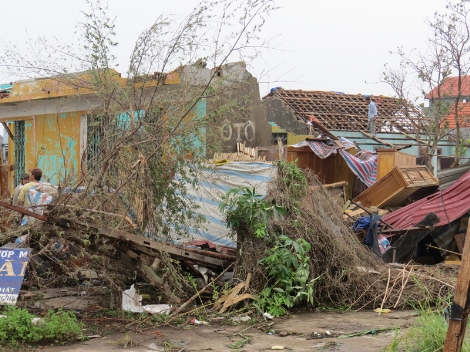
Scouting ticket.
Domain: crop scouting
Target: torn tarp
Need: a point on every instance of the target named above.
(323, 150)
(363, 165)
(213, 183)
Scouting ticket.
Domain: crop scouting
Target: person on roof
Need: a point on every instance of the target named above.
(372, 116)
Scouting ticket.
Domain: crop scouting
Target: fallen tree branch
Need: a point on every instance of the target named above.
(157, 281)
(197, 294)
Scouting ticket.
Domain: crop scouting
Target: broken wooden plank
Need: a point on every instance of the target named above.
(197, 294)
(24, 211)
(113, 233)
(356, 212)
(318, 125)
(231, 299)
(407, 242)
(335, 185)
(370, 213)
(234, 300)
(460, 305)
(200, 256)
(212, 254)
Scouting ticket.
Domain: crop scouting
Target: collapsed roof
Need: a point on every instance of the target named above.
(348, 112)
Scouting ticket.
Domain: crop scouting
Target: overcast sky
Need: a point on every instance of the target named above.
(335, 45)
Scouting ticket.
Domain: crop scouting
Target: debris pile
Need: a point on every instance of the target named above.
(348, 273)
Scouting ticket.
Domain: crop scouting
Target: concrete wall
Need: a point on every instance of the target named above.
(241, 116)
(281, 115)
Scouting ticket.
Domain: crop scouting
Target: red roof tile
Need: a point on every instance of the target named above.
(449, 205)
(449, 88)
(464, 116)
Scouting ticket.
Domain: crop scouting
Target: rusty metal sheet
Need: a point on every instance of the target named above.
(449, 205)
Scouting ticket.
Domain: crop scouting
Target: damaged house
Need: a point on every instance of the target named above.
(49, 121)
(131, 197)
(297, 114)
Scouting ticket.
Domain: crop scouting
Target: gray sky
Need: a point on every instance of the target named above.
(337, 45)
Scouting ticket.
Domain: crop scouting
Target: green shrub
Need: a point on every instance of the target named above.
(288, 270)
(243, 207)
(427, 334)
(56, 327)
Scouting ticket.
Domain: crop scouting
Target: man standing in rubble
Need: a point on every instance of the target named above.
(372, 116)
(23, 180)
(34, 179)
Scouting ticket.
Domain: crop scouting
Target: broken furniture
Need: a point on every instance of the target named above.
(388, 158)
(395, 187)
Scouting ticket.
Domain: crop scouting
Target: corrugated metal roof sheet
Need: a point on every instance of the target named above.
(448, 205)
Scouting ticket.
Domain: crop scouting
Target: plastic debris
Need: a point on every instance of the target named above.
(194, 321)
(383, 310)
(131, 302)
(154, 347)
(37, 321)
(277, 347)
(267, 315)
(245, 318)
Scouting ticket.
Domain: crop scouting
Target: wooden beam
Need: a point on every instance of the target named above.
(23, 211)
(370, 213)
(200, 256)
(416, 139)
(377, 139)
(404, 147)
(335, 185)
(113, 233)
(460, 304)
(318, 125)
(5, 126)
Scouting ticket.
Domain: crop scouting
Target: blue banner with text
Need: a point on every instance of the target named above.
(13, 263)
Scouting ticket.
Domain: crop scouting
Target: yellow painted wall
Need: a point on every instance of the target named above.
(50, 88)
(292, 138)
(57, 150)
(57, 145)
(296, 138)
(277, 129)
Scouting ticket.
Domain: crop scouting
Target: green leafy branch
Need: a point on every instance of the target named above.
(243, 207)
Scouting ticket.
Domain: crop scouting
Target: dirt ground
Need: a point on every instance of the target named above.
(295, 333)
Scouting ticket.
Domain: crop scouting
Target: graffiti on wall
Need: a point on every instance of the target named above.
(240, 131)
